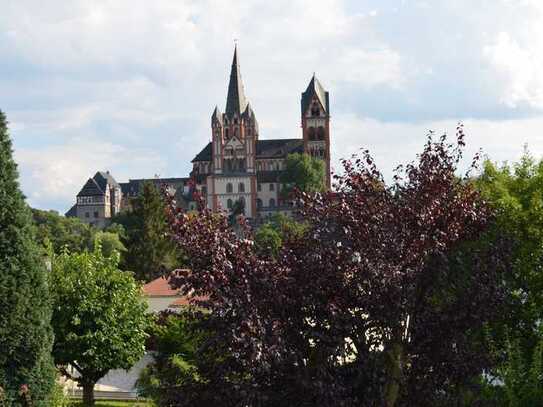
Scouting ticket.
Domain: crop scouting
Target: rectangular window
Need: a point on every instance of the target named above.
(272, 187)
(87, 215)
(95, 214)
(259, 187)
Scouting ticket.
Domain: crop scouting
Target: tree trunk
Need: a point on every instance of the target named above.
(88, 393)
(394, 371)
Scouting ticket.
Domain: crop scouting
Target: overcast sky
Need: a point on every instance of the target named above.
(129, 85)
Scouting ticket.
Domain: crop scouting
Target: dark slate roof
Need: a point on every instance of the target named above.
(315, 88)
(134, 186)
(72, 213)
(235, 101)
(104, 178)
(277, 148)
(91, 188)
(216, 116)
(199, 178)
(268, 176)
(204, 155)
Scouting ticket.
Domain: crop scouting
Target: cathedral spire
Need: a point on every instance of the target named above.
(236, 101)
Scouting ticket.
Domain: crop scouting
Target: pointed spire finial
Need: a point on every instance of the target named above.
(235, 101)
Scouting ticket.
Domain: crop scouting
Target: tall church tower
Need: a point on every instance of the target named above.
(234, 136)
(316, 124)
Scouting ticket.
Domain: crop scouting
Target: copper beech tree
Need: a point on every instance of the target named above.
(380, 303)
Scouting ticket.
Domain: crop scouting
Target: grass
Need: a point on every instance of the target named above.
(115, 403)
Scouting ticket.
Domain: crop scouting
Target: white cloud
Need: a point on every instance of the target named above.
(56, 174)
(392, 144)
(521, 67)
(129, 85)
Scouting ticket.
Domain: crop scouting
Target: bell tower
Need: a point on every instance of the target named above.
(316, 124)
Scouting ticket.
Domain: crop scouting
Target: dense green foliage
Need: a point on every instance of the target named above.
(177, 342)
(109, 242)
(270, 237)
(115, 403)
(303, 172)
(149, 250)
(60, 232)
(25, 313)
(57, 232)
(99, 316)
(516, 191)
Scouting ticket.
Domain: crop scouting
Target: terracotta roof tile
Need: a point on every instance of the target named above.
(159, 287)
(184, 301)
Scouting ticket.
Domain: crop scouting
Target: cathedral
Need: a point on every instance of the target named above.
(236, 166)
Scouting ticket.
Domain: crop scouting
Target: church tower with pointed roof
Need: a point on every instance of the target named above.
(316, 123)
(233, 149)
(236, 171)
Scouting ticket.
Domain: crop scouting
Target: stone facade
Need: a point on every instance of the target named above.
(99, 200)
(235, 167)
(238, 166)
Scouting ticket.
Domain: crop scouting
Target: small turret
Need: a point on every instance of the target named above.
(216, 117)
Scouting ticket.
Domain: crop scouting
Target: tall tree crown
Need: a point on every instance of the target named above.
(25, 332)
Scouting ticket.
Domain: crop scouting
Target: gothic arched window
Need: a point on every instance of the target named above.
(226, 133)
(315, 111)
(320, 133)
(229, 188)
(241, 187)
(272, 203)
(259, 203)
(311, 134)
(229, 204)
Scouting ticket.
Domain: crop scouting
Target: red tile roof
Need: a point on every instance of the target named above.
(159, 287)
(185, 301)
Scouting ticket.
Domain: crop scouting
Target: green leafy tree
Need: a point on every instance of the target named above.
(268, 240)
(149, 249)
(109, 242)
(270, 237)
(176, 341)
(25, 312)
(62, 232)
(516, 192)
(99, 317)
(304, 173)
(57, 232)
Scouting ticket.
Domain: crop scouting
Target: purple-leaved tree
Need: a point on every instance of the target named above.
(381, 302)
